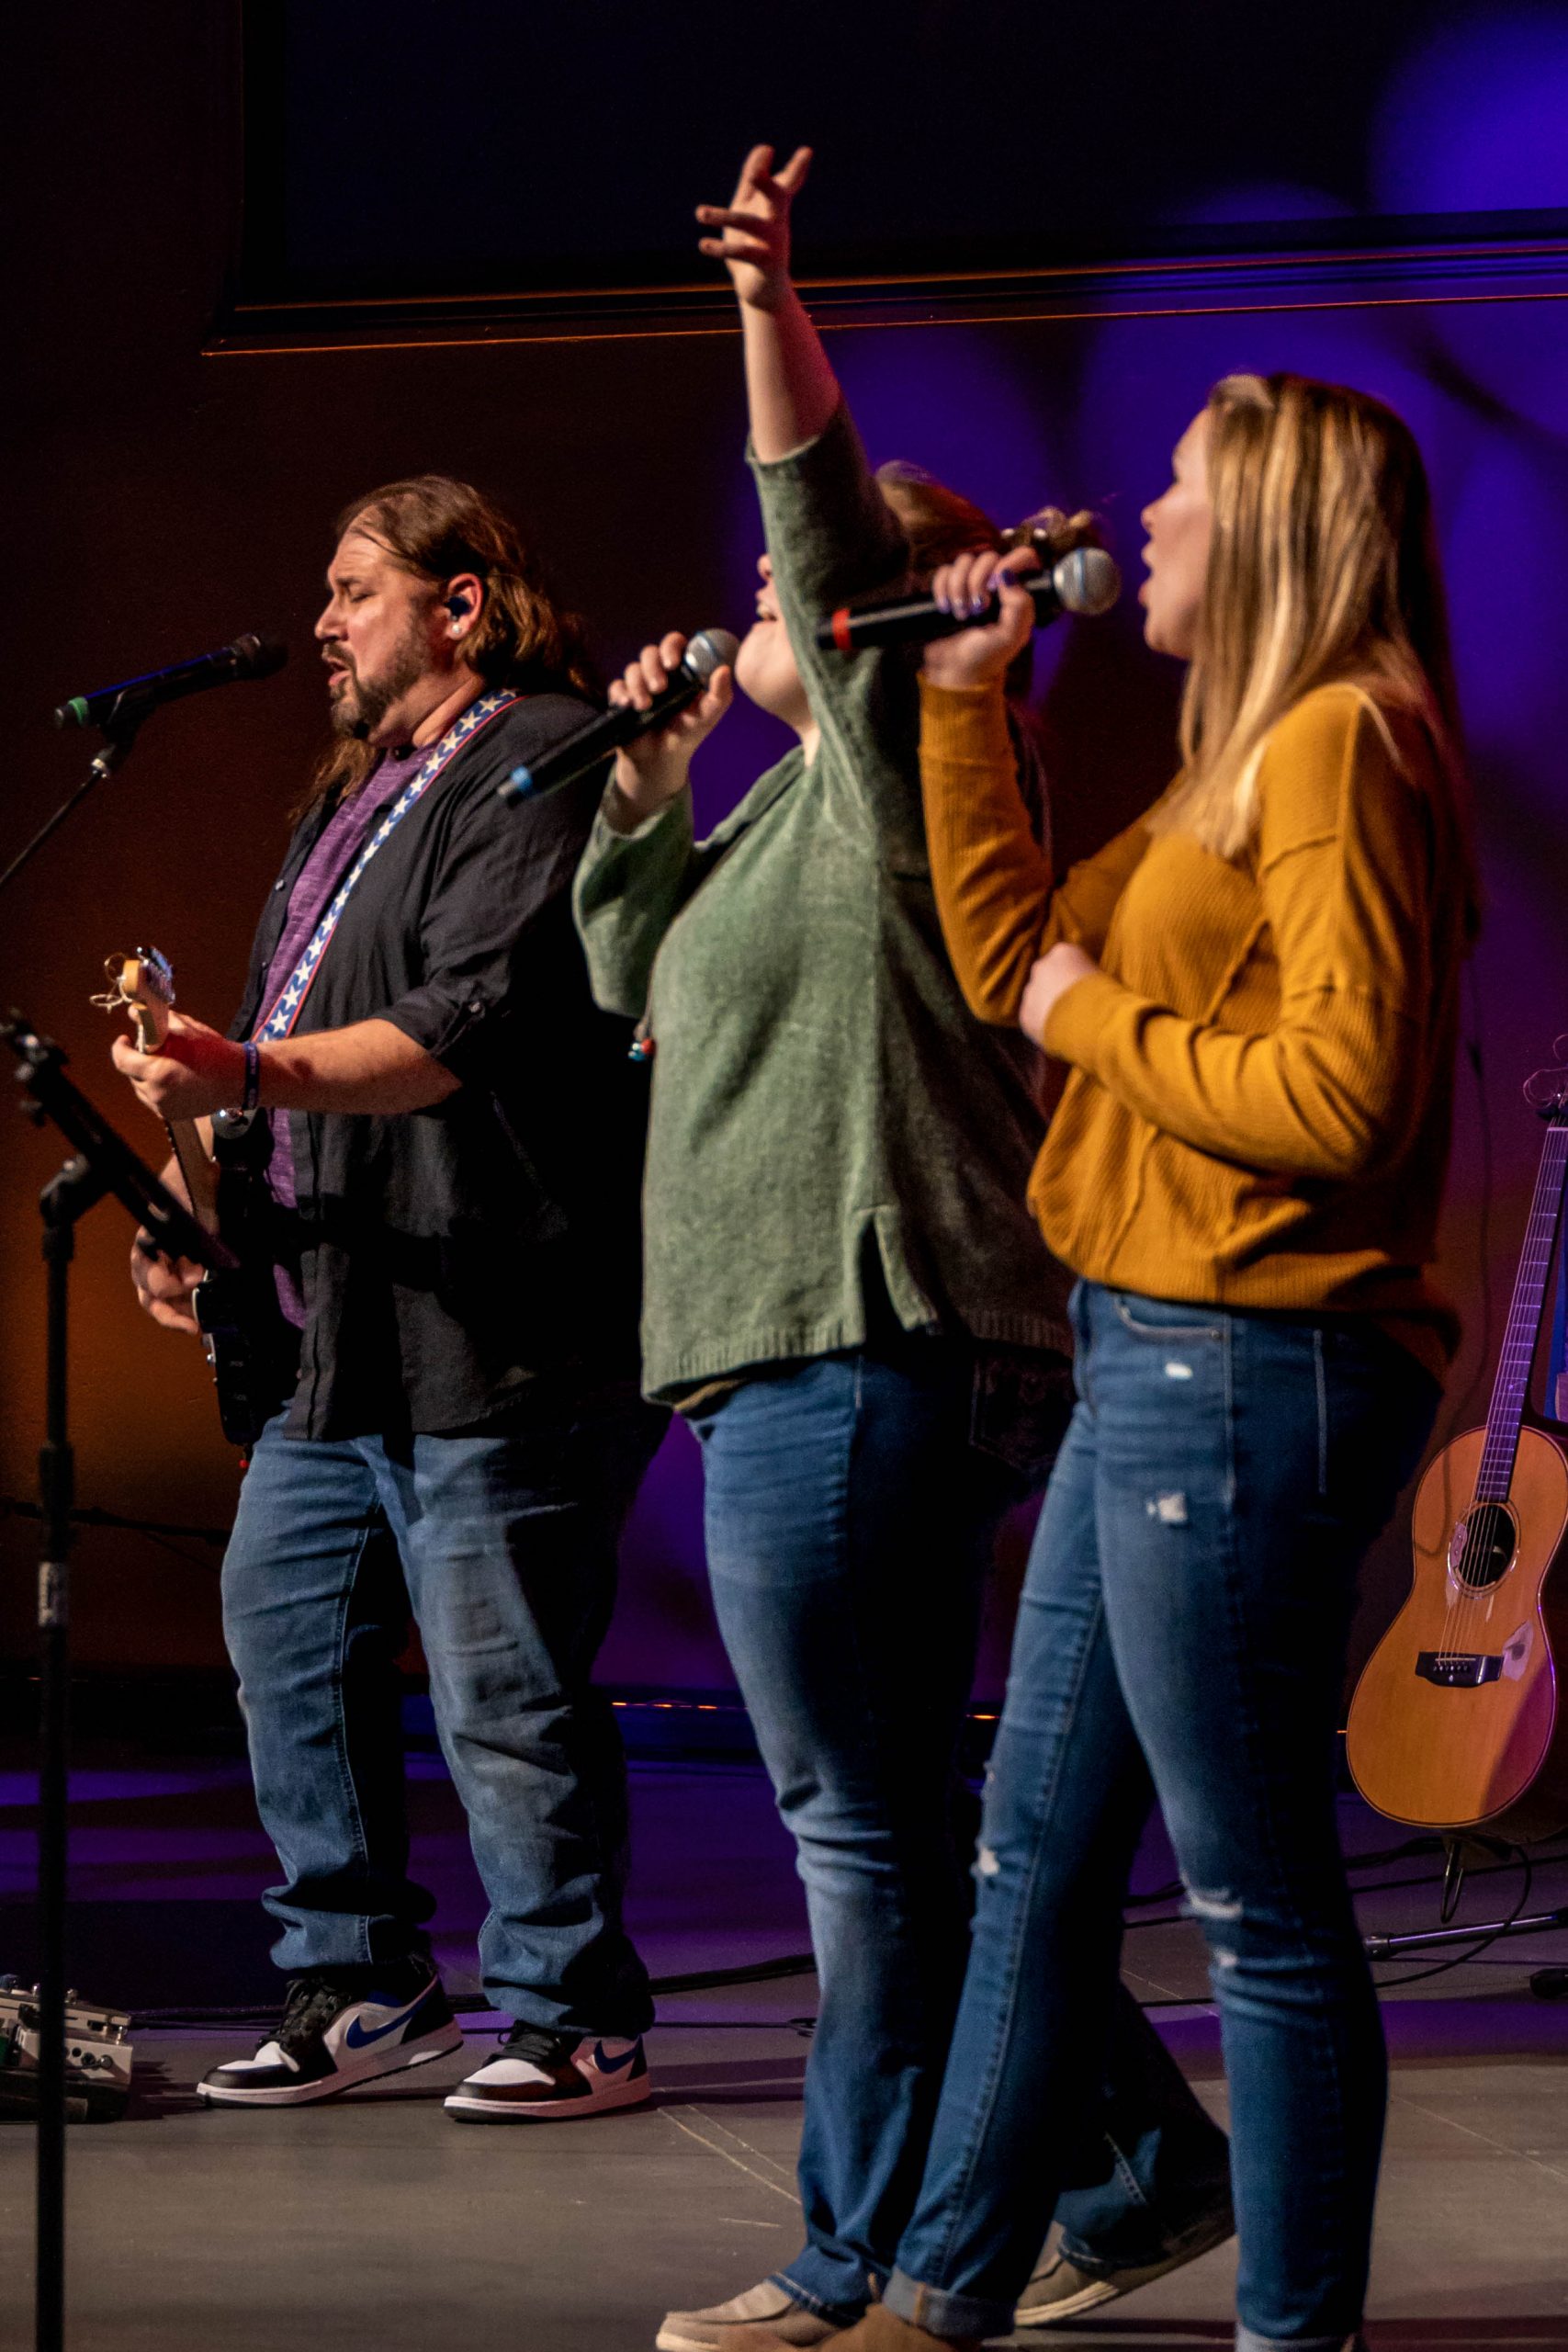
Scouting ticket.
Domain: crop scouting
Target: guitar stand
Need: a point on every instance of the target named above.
(1546, 1984)
(101, 1163)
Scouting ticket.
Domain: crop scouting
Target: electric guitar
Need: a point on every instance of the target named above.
(226, 1306)
(1456, 1723)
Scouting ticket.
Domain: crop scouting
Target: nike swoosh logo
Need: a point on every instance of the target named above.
(608, 2065)
(356, 2037)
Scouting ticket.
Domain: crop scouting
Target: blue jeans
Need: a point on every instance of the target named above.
(1186, 1603)
(505, 1548)
(849, 1523)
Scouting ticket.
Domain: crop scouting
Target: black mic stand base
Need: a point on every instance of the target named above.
(71, 1196)
(72, 1193)
(102, 1163)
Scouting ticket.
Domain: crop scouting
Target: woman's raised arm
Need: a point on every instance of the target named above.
(791, 388)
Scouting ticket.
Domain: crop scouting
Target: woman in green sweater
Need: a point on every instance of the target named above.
(847, 1297)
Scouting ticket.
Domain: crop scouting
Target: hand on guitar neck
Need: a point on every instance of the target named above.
(142, 986)
(235, 1313)
(180, 1068)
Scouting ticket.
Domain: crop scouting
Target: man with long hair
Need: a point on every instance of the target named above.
(445, 1143)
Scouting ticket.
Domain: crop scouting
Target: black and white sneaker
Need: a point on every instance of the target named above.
(341, 2027)
(544, 2077)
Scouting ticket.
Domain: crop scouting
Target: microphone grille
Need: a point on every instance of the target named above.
(1087, 580)
(710, 650)
(257, 657)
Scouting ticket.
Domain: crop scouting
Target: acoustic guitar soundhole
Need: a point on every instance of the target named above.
(1485, 1547)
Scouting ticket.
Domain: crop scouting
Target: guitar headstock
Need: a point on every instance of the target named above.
(141, 985)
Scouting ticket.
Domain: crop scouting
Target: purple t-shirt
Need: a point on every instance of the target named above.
(342, 838)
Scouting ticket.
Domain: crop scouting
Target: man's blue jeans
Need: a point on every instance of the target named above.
(505, 1548)
(1187, 1601)
(850, 1521)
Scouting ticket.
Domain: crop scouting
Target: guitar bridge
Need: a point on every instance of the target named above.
(1460, 1670)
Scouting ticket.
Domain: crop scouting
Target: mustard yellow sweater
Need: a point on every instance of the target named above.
(1262, 1083)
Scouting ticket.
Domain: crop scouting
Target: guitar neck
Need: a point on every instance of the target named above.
(190, 1139)
(194, 1158)
(1511, 1388)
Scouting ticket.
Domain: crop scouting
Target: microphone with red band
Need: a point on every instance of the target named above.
(1085, 580)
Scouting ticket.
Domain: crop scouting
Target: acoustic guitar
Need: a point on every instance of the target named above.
(1456, 1722)
(227, 1306)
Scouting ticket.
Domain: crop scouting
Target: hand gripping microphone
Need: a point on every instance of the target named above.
(1085, 580)
(586, 747)
(115, 709)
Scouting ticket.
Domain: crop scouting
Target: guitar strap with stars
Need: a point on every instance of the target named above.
(285, 1011)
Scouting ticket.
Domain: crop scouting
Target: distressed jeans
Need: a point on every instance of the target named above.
(1184, 1615)
(851, 1505)
(505, 1549)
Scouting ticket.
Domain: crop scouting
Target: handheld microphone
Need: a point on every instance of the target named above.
(127, 704)
(710, 650)
(1085, 580)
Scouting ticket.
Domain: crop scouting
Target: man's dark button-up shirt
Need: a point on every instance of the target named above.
(450, 1259)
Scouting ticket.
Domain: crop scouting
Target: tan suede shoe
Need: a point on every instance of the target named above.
(879, 2331)
(1060, 2292)
(765, 2311)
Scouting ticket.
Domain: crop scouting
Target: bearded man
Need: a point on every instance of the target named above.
(446, 1141)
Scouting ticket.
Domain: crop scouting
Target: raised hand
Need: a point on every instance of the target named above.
(979, 657)
(753, 242)
(649, 770)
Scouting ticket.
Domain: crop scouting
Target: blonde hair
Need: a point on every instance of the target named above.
(1322, 567)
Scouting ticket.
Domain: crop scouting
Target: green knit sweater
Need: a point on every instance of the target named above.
(820, 1092)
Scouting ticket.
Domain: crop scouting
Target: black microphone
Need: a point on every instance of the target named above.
(710, 650)
(133, 699)
(1083, 581)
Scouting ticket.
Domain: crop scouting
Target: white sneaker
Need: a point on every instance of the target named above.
(335, 2034)
(545, 2077)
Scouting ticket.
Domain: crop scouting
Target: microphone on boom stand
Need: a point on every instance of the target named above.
(119, 711)
(115, 709)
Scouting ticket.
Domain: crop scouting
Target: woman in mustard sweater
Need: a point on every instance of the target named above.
(1256, 991)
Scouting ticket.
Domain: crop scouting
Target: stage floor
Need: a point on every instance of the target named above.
(375, 2222)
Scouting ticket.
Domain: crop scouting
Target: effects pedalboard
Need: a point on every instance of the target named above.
(97, 2056)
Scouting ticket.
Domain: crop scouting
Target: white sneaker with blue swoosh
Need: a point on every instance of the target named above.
(341, 2027)
(545, 2077)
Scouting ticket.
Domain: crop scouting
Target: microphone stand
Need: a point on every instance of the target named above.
(120, 730)
(101, 1163)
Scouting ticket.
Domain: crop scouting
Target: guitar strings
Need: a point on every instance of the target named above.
(1472, 1596)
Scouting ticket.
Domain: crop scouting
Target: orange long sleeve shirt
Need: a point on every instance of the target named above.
(1261, 1072)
